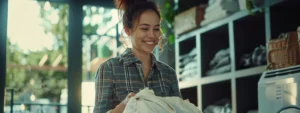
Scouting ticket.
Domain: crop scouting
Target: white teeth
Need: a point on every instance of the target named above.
(149, 42)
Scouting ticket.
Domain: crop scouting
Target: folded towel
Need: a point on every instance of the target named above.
(189, 57)
(189, 70)
(189, 73)
(193, 52)
(181, 70)
(223, 62)
(218, 16)
(189, 77)
(230, 5)
(188, 60)
(190, 65)
(182, 57)
(220, 70)
(219, 10)
(222, 106)
(219, 55)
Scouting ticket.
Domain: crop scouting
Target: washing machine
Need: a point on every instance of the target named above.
(279, 91)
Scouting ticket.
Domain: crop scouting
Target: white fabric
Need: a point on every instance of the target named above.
(217, 16)
(216, 11)
(219, 9)
(146, 102)
(109, 111)
(229, 5)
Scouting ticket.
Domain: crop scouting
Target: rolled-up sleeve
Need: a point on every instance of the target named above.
(103, 88)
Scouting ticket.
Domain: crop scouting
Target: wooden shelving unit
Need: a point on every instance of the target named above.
(241, 33)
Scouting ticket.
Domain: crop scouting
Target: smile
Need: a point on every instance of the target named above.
(151, 42)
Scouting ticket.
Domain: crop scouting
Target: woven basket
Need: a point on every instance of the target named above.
(189, 19)
(284, 51)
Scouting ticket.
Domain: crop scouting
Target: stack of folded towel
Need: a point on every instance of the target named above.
(188, 65)
(220, 63)
(221, 106)
(219, 9)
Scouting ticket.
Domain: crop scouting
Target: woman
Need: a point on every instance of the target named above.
(119, 78)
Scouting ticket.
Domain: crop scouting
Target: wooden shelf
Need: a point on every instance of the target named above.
(216, 24)
(216, 78)
(211, 42)
(215, 92)
(244, 33)
(250, 71)
(188, 84)
(222, 77)
(233, 17)
(186, 36)
(241, 33)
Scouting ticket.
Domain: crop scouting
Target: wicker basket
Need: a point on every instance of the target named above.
(189, 19)
(284, 51)
(298, 31)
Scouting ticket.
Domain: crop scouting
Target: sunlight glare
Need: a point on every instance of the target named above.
(24, 26)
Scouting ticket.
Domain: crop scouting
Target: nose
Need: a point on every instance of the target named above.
(151, 34)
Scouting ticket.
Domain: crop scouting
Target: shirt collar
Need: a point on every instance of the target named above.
(129, 58)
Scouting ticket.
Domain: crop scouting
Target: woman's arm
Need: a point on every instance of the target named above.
(103, 89)
(175, 91)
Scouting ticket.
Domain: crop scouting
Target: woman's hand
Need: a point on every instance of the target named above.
(120, 108)
(125, 101)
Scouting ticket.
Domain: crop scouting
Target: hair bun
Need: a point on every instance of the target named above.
(123, 4)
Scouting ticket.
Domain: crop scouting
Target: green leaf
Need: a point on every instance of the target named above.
(171, 39)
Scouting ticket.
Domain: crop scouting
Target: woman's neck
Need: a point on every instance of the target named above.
(144, 57)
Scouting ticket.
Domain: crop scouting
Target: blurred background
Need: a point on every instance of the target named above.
(50, 51)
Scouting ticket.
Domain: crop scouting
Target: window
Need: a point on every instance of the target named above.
(36, 52)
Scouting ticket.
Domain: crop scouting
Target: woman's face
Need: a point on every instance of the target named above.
(145, 34)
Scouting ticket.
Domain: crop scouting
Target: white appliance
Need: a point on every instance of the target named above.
(279, 91)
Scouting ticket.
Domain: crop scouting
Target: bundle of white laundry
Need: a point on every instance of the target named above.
(218, 9)
(146, 102)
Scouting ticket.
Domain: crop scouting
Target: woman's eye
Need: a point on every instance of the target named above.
(156, 29)
(144, 29)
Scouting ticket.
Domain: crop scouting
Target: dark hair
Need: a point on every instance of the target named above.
(134, 8)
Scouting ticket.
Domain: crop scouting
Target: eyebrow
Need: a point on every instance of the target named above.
(149, 25)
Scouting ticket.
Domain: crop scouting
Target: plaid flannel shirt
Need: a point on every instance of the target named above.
(119, 76)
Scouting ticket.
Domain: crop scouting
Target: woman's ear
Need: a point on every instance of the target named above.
(127, 31)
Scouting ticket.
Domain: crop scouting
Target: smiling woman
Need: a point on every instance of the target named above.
(146, 34)
(121, 77)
